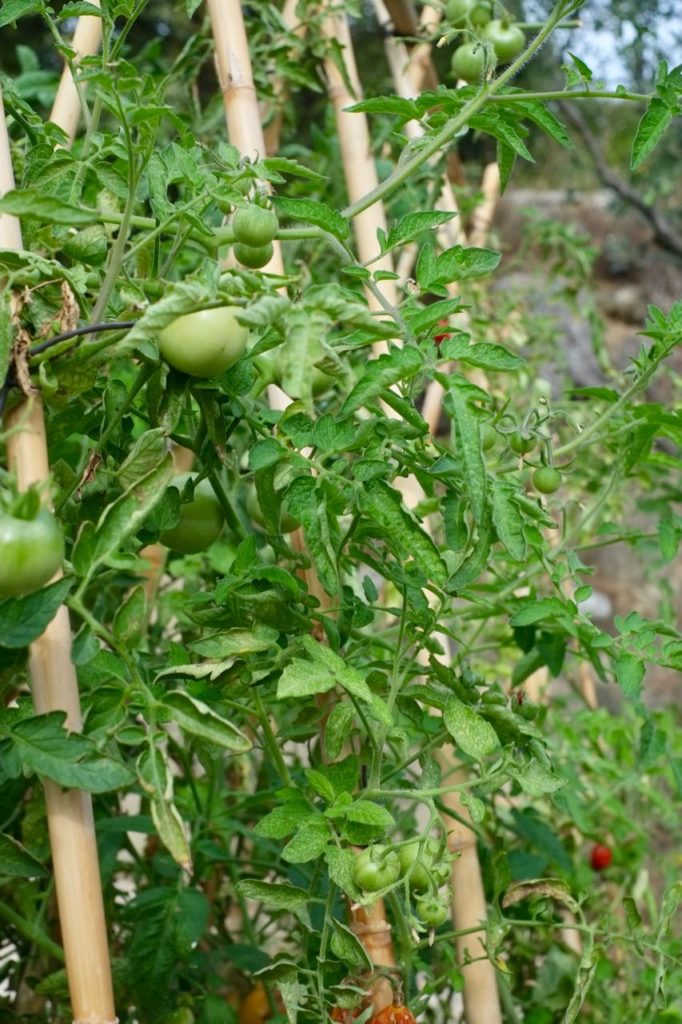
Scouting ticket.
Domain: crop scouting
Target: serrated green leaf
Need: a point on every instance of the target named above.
(470, 731)
(272, 894)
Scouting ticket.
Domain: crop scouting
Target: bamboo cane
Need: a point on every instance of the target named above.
(481, 999)
(66, 109)
(54, 687)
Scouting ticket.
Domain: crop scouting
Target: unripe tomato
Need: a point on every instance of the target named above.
(522, 443)
(507, 40)
(201, 519)
(481, 14)
(254, 225)
(547, 479)
(205, 343)
(458, 11)
(470, 60)
(31, 552)
(287, 523)
(183, 1015)
(601, 856)
(418, 863)
(394, 1015)
(432, 912)
(253, 257)
(375, 868)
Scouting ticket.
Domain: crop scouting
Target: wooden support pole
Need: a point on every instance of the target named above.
(66, 109)
(54, 687)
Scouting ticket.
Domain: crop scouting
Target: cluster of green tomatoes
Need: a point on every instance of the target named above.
(424, 865)
(493, 40)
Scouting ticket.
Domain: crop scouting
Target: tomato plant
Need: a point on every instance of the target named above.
(390, 645)
(205, 343)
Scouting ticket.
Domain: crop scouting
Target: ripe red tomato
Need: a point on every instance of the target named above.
(438, 338)
(394, 1015)
(601, 856)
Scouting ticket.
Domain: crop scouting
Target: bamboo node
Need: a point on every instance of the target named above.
(376, 928)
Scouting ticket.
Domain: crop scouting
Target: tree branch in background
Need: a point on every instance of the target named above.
(663, 234)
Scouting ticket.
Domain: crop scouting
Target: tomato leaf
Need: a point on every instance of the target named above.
(471, 733)
(273, 894)
(385, 507)
(381, 374)
(24, 619)
(17, 862)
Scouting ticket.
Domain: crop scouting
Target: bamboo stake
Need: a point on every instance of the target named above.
(54, 687)
(66, 109)
(481, 998)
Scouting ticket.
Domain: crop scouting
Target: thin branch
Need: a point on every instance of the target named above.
(663, 234)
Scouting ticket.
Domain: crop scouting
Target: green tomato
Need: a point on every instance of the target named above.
(254, 225)
(507, 40)
(205, 343)
(31, 552)
(521, 442)
(201, 519)
(547, 479)
(481, 14)
(183, 1015)
(375, 868)
(421, 866)
(287, 523)
(432, 912)
(458, 11)
(470, 60)
(251, 256)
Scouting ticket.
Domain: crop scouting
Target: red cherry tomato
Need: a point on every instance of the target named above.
(438, 338)
(601, 856)
(394, 1015)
